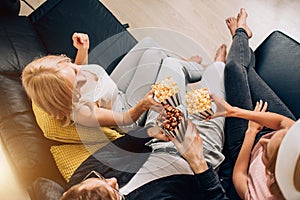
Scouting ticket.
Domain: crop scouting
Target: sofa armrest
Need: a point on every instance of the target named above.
(278, 63)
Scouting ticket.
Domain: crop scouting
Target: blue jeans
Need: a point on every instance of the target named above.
(243, 88)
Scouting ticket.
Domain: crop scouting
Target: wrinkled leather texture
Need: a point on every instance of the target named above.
(48, 30)
(278, 63)
(19, 44)
(21, 137)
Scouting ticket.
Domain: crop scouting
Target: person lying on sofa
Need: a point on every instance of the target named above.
(253, 174)
(172, 176)
(85, 94)
(50, 81)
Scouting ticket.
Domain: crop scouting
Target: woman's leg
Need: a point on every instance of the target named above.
(243, 88)
(125, 70)
(154, 66)
(212, 131)
(144, 76)
(237, 89)
(261, 91)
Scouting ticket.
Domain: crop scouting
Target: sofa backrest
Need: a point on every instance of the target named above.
(22, 140)
(56, 21)
(278, 63)
(47, 30)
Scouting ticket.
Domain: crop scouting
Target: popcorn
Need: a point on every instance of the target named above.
(172, 121)
(167, 92)
(199, 103)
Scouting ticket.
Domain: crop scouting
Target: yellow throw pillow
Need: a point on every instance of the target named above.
(69, 157)
(82, 141)
(76, 134)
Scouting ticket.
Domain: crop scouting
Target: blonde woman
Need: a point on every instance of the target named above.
(85, 94)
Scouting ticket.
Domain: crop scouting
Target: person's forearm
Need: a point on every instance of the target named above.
(81, 57)
(133, 114)
(240, 171)
(267, 119)
(199, 166)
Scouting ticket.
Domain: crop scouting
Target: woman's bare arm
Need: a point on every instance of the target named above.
(240, 171)
(95, 117)
(267, 119)
(81, 43)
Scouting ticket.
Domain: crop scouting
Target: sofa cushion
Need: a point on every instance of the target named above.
(278, 63)
(19, 44)
(69, 157)
(76, 134)
(27, 148)
(64, 17)
(81, 141)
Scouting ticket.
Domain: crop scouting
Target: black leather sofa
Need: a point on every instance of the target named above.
(48, 31)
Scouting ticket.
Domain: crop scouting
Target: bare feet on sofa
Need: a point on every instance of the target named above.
(242, 21)
(221, 53)
(231, 24)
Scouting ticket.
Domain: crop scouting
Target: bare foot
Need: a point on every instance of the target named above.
(241, 21)
(221, 53)
(231, 24)
(197, 59)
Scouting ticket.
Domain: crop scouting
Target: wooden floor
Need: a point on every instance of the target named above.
(201, 21)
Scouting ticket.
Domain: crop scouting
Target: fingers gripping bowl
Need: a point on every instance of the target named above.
(173, 122)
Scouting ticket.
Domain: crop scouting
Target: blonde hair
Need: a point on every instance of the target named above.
(48, 88)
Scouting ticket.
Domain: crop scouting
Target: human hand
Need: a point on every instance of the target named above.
(192, 148)
(157, 133)
(81, 41)
(260, 107)
(223, 108)
(148, 102)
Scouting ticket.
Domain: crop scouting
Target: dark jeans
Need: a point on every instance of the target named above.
(244, 88)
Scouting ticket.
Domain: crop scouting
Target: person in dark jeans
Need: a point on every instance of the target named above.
(245, 89)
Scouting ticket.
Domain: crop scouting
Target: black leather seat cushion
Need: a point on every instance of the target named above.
(27, 148)
(278, 63)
